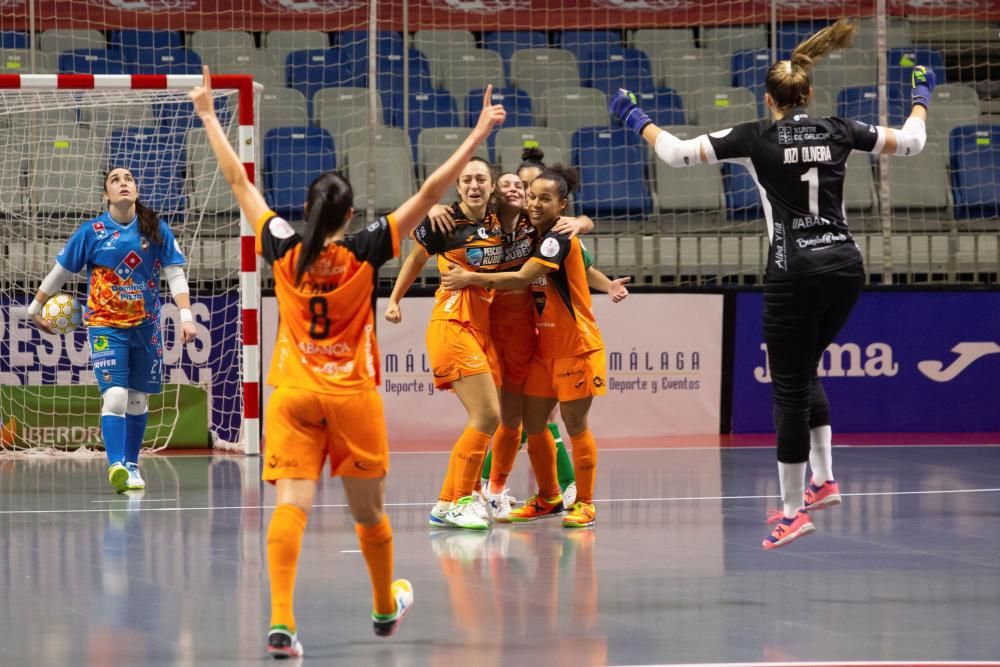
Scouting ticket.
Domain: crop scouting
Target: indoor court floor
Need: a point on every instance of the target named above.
(907, 569)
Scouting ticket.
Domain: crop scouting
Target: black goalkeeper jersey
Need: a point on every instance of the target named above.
(798, 164)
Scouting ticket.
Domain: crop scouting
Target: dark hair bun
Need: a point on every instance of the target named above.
(533, 154)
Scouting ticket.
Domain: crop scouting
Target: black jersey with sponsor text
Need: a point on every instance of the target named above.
(798, 163)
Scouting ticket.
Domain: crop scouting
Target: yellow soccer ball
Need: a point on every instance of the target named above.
(62, 313)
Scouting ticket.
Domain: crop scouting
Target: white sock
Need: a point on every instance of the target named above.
(821, 454)
(792, 478)
(441, 506)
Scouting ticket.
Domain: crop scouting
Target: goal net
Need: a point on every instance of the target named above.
(58, 138)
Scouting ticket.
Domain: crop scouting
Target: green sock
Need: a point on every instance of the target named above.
(564, 465)
(524, 439)
(487, 464)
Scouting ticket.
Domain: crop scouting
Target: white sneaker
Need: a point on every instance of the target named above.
(385, 626)
(500, 505)
(436, 517)
(462, 514)
(483, 509)
(569, 495)
(134, 482)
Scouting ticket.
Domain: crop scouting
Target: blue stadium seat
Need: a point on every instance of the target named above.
(750, 71)
(899, 81)
(91, 61)
(166, 61)
(665, 106)
(309, 70)
(614, 68)
(612, 169)
(515, 101)
(13, 39)
(506, 42)
(293, 157)
(354, 44)
(975, 170)
(435, 108)
(156, 160)
(791, 34)
(581, 43)
(742, 195)
(141, 43)
(390, 82)
(858, 103)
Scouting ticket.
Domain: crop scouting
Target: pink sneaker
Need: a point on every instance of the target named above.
(819, 497)
(788, 529)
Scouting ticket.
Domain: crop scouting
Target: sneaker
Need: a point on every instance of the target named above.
(118, 477)
(402, 591)
(436, 517)
(569, 494)
(500, 505)
(581, 515)
(483, 509)
(788, 529)
(134, 482)
(819, 497)
(283, 643)
(462, 514)
(537, 508)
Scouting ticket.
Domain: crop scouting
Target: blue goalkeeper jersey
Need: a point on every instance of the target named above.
(124, 270)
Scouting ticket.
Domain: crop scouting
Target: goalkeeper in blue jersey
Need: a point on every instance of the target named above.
(123, 251)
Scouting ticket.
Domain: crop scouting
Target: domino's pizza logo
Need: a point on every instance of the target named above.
(100, 230)
(127, 266)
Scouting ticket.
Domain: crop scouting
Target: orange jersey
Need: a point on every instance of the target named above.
(563, 312)
(326, 334)
(513, 307)
(474, 246)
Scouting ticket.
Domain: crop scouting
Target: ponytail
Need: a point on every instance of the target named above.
(788, 81)
(149, 222)
(330, 199)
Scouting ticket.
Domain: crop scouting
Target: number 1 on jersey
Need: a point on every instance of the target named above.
(319, 325)
(812, 177)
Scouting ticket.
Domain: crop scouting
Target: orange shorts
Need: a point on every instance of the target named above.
(568, 378)
(302, 428)
(456, 350)
(515, 347)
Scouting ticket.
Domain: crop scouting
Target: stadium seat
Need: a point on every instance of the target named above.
(435, 145)
(340, 110)
(515, 101)
(506, 42)
(390, 82)
(821, 105)
(166, 60)
(897, 34)
(354, 44)
(141, 46)
(750, 71)
(466, 69)
(13, 197)
(18, 61)
(859, 183)
(536, 70)
(582, 43)
(791, 34)
(689, 70)
(212, 194)
(218, 47)
(618, 68)
(434, 43)
(921, 181)
(719, 108)
(431, 109)
(975, 170)
(281, 107)
(859, 103)
(156, 160)
(846, 68)
(293, 157)
(729, 39)
(384, 136)
(91, 61)
(393, 164)
(254, 62)
(511, 141)
(13, 39)
(654, 41)
(569, 109)
(949, 94)
(612, 170)
(310, 70)
(940, 125)
(687, 188)
(902, 60)
(742, 195)
(277, 44)
(664, 106)
(57, 41)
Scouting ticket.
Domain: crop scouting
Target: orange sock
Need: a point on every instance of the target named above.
(585, 464)
(284, 542)
(376, 546)
(470, 450)
(542, 452)
(447, 493)
(505, 444)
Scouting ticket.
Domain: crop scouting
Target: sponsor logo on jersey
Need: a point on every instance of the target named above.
(483, 233)
(823, 240)
(784, 135)
(280, 229)
(127, 266)
(489, 256)
(105, 363)
(99, 230)
(100, 343)
(550, 248)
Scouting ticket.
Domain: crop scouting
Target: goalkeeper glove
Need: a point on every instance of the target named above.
(923, 80)
(624, 108)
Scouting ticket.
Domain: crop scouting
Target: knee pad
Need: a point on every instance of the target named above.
(137, 402)
(115, 401)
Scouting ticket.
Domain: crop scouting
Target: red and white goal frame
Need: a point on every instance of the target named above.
(249, 282)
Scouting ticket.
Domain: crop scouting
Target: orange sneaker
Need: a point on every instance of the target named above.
(788, 529)
(581, 515)
(826, 494)
(537, 508)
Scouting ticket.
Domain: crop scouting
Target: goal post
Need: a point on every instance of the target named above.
(61, 133)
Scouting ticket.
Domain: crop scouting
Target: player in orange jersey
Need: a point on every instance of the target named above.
(325, 365)
(569, 364)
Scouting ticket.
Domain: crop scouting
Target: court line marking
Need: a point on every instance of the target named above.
(859, 663)
(429, 504)
(612, 450)
(128, 500)
(350, 551)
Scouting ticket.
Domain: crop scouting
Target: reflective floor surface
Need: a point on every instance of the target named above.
(908, 568)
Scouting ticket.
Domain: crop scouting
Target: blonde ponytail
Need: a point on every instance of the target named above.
(788, 80)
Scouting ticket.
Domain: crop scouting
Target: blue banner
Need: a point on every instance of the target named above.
(905, 362)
